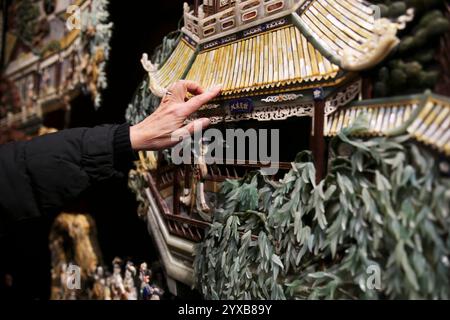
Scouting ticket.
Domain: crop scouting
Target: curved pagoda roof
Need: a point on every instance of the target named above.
(303, 44)
(426, 118)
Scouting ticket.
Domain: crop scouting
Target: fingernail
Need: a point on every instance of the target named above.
(206, 121)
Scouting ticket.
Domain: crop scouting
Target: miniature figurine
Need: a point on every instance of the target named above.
(143, 270)
(46, 82)
(150, 292)
(98, 290)
(108, 292)
(31, 97)
(117, 286)
(194, 195)
(129, 284)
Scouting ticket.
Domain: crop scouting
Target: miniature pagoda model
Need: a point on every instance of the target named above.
(293, 65)
(52, 51)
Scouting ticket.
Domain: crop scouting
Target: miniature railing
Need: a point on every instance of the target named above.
(187, 226)
(43, 91)
(183, 227)
(27, 113)
(242, 13)
(21, 118)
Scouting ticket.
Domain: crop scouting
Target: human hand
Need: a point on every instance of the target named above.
(157, 131)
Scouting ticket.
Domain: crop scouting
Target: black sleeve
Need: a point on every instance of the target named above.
(41, 175)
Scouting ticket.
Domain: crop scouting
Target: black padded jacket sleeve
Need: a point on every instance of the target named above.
(42, 175)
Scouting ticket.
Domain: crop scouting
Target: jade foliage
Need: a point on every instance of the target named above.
(376, 228)
(414, 66)
(26, 19)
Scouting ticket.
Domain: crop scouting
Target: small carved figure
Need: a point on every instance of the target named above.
(98, 290)
(129, 284)
(150, 292)
(117, 286)
(194, 194)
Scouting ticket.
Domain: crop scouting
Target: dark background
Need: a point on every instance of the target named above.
(139, 26)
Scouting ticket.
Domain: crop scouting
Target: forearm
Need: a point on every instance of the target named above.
(46, 173)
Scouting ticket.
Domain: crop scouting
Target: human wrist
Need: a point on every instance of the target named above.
(141, 137)
(136, 138)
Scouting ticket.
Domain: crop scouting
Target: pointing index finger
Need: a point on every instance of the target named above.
(193, 87)
(198, 101)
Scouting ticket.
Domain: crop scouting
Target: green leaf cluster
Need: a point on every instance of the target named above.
(384, 206)
(412, 68)
(26, 19)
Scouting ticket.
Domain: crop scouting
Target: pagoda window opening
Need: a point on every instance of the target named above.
(294, 137)
(211, 7)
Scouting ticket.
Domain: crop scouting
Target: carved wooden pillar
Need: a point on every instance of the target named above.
(187, 176)
(367, 88)
(318, 139)
(58, 76)
(176, 191)
(196, 5)
(37, 83)
(216, 6)
(188, 183)
(158, 170)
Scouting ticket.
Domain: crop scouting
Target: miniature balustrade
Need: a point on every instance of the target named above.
(22, 117)
(243, 12)
(44, 88)
(188, 226)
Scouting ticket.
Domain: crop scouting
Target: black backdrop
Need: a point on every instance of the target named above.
(139, 26)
